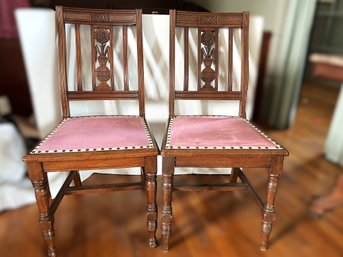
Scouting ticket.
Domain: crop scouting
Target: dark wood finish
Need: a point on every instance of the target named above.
(186, 62)
(207, 223)
(125, 62)
(102, 41)
(102, 95)
(208, 25)
(78, 58)
(207, 69)
(148, 6)
(103, 50)
(102, 22)
(230, 60)
(168, 167)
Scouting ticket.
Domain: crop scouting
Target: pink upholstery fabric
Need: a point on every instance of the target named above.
(215, 131)
(96, 133)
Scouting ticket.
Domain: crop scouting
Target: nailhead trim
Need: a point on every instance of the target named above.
(151, 145)
(168, 146)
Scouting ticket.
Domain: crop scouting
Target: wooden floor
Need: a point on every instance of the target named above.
(206, 223)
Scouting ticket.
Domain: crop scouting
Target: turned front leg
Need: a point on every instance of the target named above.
(43, 198)
(150, 186)
(167, 214)
(269, 208)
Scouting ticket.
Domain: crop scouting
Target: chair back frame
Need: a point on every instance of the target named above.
(101, 22)
(208, 25)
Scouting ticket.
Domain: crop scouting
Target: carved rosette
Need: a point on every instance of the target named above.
(207, 74)
(102, 72)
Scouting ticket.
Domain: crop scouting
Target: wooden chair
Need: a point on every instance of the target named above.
(96, 142)
(215, 141)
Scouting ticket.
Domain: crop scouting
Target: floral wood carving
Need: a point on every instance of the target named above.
(102, 72)
(207, 58)
(209, 19)
(100, 17)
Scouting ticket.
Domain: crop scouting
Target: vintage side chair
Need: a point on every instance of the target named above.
(215, 141)
(96, 142)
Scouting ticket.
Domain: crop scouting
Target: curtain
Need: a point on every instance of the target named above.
(334, 141)
(281, 103)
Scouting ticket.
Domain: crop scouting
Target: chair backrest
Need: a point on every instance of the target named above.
(204, 31)
(105, 61)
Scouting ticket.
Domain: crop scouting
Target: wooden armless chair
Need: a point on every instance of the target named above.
(96, 142)
(215, 141)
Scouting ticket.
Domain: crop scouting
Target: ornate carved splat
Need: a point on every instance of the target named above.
(207, 59)
(102, 72)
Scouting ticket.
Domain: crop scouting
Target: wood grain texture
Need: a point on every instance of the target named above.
(62, 65)
(208, 25)
(102, 66)
(112, 224)
(186, 59)
(207, 71)
(125, 60)
(230, 59)
(244, 64)
(78, 58)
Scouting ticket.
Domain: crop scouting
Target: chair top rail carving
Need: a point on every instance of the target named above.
(101, 68)
(207, 70)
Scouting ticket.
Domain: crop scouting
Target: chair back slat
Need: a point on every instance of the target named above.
(186, 62)
(93, 56)
(216, 60)
(212, 81)
(199, 60)
(110, 57)
(98, 68)
(230, 61)
(78, 58)
(125, 61)
(244, 63)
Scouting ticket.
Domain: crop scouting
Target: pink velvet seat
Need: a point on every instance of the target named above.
(97, 133)
(212, 132)
(93, 143)
(213, 142)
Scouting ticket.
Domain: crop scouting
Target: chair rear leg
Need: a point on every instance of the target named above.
(77, 179)
(269, 208)
(142, 175)
(43, 198)
(150, 170)
(234, 175)
(167, 214)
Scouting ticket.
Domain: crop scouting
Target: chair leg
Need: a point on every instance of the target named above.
(43, 198)
(167, 214)
(150, 186)
(269, 208)
(142, 175)
(233, 177)
(77, 179)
